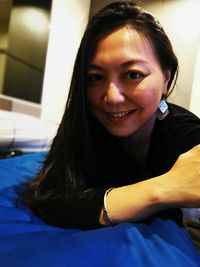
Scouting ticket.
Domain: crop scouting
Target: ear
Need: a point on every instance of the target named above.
(167, 76)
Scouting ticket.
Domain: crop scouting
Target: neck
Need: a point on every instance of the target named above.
(137, 144)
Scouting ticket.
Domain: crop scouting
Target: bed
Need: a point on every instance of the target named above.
(26, 241)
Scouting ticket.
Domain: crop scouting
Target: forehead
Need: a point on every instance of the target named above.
(124, 43)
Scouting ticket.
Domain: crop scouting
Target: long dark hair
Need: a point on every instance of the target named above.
(65, 166)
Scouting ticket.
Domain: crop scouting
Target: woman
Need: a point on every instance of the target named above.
(113, 157)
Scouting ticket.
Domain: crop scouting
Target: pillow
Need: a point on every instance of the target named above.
(25, 132)
(19, 170)
(16, 171)
(27, 241)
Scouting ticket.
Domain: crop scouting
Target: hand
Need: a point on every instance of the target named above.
(181, 185)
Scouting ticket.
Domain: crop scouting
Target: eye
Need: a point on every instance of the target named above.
(94, 78)
(133, 75)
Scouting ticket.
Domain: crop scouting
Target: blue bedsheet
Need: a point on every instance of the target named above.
(26, 241)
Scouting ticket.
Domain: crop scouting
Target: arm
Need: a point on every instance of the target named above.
(178, 188)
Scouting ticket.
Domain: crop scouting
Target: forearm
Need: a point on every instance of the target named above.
(178, 188)
(134, 202)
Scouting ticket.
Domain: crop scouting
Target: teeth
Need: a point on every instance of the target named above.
(119, 115)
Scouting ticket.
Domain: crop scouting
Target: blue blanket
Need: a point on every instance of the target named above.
(26, 241)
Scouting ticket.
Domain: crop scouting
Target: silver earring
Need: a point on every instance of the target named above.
(163, 110)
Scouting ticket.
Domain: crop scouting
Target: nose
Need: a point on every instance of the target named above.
(114, 94)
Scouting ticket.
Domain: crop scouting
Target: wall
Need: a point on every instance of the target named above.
(24, 32)
(181, 21)
(67, 24)
(3, 45)
(26, 52)
(195, 94)
(4, 22)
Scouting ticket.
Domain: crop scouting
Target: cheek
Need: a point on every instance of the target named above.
(90, 96)
(92, 100)
(93, 96)
(147, 98)
(149, 92)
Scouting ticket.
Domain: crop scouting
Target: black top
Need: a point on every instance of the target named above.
(109, 166)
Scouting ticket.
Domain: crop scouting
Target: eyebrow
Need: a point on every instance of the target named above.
(123, 65)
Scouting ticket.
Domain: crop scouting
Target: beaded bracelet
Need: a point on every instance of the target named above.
(107, 217)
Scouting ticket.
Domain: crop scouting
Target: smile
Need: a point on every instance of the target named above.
(119, 114)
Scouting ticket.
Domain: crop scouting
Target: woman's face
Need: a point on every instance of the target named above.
(125, 83)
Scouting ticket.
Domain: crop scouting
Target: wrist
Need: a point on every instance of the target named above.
(106, 216)
(167, 195)
(133, 202)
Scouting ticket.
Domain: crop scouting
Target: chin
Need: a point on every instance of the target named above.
(120, 133)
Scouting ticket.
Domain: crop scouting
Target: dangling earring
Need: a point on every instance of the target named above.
(162, 110)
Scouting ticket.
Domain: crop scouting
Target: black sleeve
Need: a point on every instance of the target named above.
(175, 135)
(187, 136)
(78, 210)
(186, 129)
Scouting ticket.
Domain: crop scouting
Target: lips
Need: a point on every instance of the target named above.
(120, 114)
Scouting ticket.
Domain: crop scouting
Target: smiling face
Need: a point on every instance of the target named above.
(125, 83)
